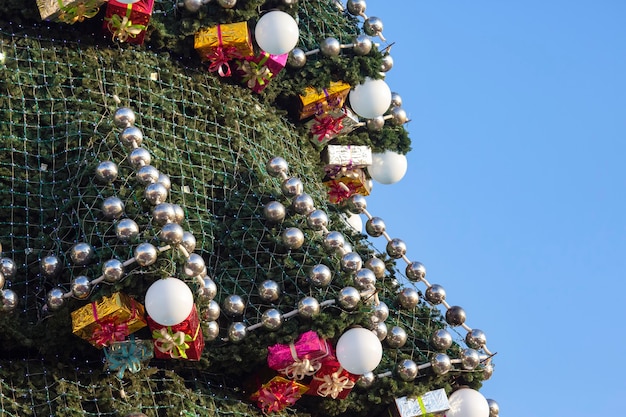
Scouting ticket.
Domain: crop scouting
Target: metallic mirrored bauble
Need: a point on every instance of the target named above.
(407, 370)
(269, 290)
(455, 316)
(441, 340)
(317, 220)
(189, 242)
(375, 124)
(409, 298)
(112, 208)
(320, 275)
(145, 254)
(274, 211)
(212, 311)
(351, 262)
(113, 270)
(54, 299)
(399, 116)
(192, 5)
(227, 4)
(441, 363)
(8, 300)
(179, 214)
(366, 380)
(291, 187)
(171, 233)
(476, 339)
(126, 229)
(124, 117)
(356, 7)
(469, 359)
(487, 371)
(362, 45)
(396, 100)
(148, 174)
(303, 204)
(387, 63)
(233, 305)
(380, 330)
(293, 238)
(211, 330)
(346, 248)
(81, 253)
(163, 213)
(297, 58)
(373, 26)
(333, 241)
(8, 268)
(377, 266)
(139, 157)
(165, 180)
(81, 287)
(207, 291)
(494, 408)
(2, 281)
(277, 166)
(380, 312)
(330, 47)
(106, 171)
(237, 332)
(308, 307)
(365, 279)
(375, 226)
(357, 204)
(397, 337)
(155, 193)
(348, 298)
(50, 266)
(272, 319)
(131, 135)
(396, 248)
(415, 271)
(194, 265)
(435, 294)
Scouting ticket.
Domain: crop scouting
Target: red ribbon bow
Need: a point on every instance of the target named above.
(276, 395)
(220, 56)
(339, 191)
(326, 126)
(109, 332)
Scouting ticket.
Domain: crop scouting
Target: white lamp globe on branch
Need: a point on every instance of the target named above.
(276, 32)
(370, 99)
(359, 351)
(169, 301)
(466, 402)
(388, 167)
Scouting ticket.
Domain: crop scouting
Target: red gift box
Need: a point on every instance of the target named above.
(332, 381)
(256, 72)
(181, 341)
(278, 394)
(299, 359)
(128, 22)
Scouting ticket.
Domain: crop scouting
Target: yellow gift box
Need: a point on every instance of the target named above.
(231, 39)
(108, 320)
(315, 102)
(346, 184)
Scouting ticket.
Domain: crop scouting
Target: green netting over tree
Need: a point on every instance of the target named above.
(60, 87)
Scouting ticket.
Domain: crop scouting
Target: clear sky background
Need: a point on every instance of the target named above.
(515, 195)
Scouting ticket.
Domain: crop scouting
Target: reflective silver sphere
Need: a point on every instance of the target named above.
(189, 242)
(348, 298)
(396, 100)
(227, 4)
(54, 299)
(397, 337)
(476, 339)
(292, 238)
(303, 204)
(387, 63)
(165, 180)
(441, 340)
(112, 208)
(155, 193)
(233, 305)
(320, 275)
(362, 45)
(171, 233)
(308, 307)
(380, 330)
(351, 262)
(469, 359)
(179, 213)
(277, 166)
(333, 241)
(399, 116)
(106, 171)
(50, 266)
(124, 117)
(164, 213)
(330, 47)
(81, 253)
(494, 408)
(376, 124)
(145, 254)
(380, 312)
(211, 330)
(207, 291)
(487, 371)
(112, 270)
(2, 281)
(435, 294)
(366, 380)
(8, 300)
(317, 220)
(415, 271)
(377, 266)
(148, 174)
(455, 316)
(269, 290)
(292, 187)
(126, 229)
(407, 370)
(375, 226)
(274, 211)
(408, 298)
(237, 332)
(396, 248)
(365, 279)
(139, 157)
(357, 204)
(131, 135)
(192, 5)
(212, 311)
(272, 319)
(8, 268)
(81, 287)
(373, 26)
(194, 265)
(356, 7)
(297, 58)
(441, 363)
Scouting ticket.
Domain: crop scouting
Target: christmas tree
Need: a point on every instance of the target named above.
(177, 183)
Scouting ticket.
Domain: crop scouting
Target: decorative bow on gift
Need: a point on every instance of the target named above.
(128, 355)
(333, 384)
(255, 73)
(122, 27)
(108, 332)
(300, 368)
(79, 12)
(326, 126)
(220, 56)
(278, 394)
(339, 191)
(174, 344)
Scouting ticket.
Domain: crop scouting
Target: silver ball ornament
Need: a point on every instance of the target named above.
(155, 193)
(494, 408)
(131, 136)
(269, 290)
(380, 312)
(415, 271)
(407, 370)
(348, 298)
(291, 187)
(435, 294)
(179, 213)
(441, 339)
(303, 204)
(148, 174)
(81, 253)
(124, 117)
(351, 262)
(320, 275)
(212, 311)
(377, 266)
(476, 339)
(469, 359)
(2, 281)
(396, 100)
(139, 157)
(192, 5)
(50, 266)
(292, 238)
(380, 330)
(375, 124)
(330, 47)
(171, 233)
(165, 180)
(145, 254)
(112, 270)
(227, 4)
(357, 203)
(277, 167)
(333, 241)
(366, 380)
(237, 332)
(211, 331)
(81, 287)
(375, 227)
(126, 229)
(297, 58)
(8, 268)
(397, 337)
(308, 307)
(274, 211)
(362, 45)
(373, 26)
(455, 316)
(106, 171)
(272, 319)
(164, 213)
(112, 208)
(188, 242)
(487, 371)
(356, 7)
(396, 248)
(207, 291)
(365, 279)
(290, 2)
(441, 363)
(233, 305)
(194, 265)
(317, 220)
(54, 299)
(409, 298)
(387, 63)
(399, 116)
(8, 300)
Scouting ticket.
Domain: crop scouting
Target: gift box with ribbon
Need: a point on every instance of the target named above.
(431, 404)
(314, 102)
(110, 319)
(278, 394)
(223, 43)
(341, 158)
(128, 22)
(332, 380)
(328, 126)
(181, 341)
(299, 359)
(347, 183)
(256, 72)
(68, 11)
(128, 355)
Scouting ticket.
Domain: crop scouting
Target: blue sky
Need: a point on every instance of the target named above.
(514, 198)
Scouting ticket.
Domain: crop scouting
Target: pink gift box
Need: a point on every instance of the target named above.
(299, 359)
(257, 71)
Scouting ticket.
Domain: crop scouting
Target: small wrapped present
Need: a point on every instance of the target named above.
(340, 158)
(128, 355)
(223, 43)
(128, 22)
(346, 184)
(431, 404)
(299, 359)
(68, 11)
(332, 381)
(315, 102)
(332, 124)
(278, 394)
(108, 320)
(181, 341)
(257, 71)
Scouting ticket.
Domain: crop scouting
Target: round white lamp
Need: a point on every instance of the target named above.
(467, 402)
(359, 351)
(388, 167)
(353, 220)
(370, 99)
(169, 301)
(276, 32)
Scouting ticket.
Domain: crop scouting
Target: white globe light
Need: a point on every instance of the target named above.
(359, 351)
(276, 33)
(370, 99)
(388, 167)
(169, 301)
(467, 402)
(353, 220)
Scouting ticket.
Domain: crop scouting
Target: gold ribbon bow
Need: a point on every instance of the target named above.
(174, 344)
(256, 73)
(79, 12)
(122, 27)
(300, 368)
(333, 384)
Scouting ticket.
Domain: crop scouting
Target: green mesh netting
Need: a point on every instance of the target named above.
(213, 138)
